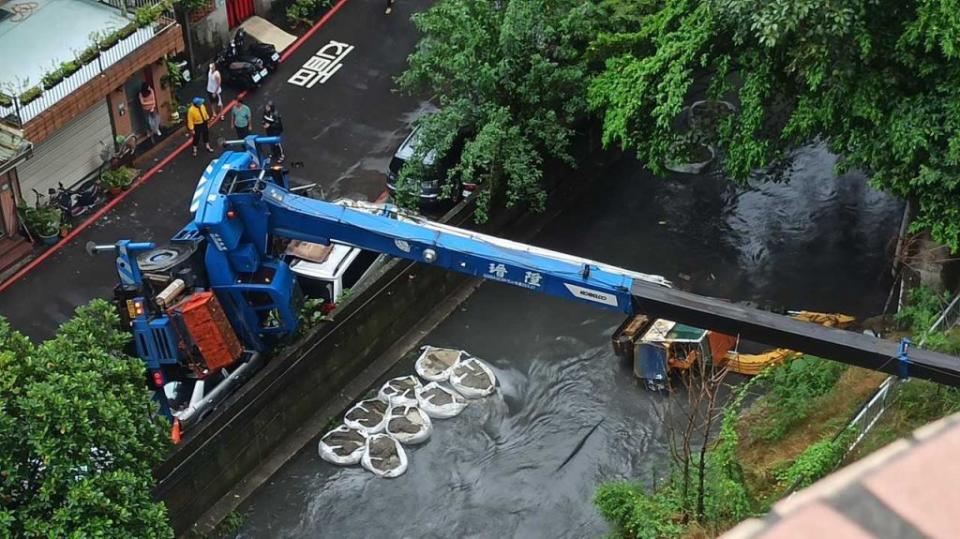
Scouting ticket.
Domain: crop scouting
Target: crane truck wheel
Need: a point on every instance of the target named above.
(164, 258)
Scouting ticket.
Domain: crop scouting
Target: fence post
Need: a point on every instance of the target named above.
(16, 108)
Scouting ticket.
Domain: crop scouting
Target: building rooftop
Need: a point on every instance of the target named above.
(36, 34)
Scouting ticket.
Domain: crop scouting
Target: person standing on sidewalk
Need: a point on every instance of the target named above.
(148, 102)
(214, 89)
(389, 6)
(197, 119)
(273, 127)
(241, 118)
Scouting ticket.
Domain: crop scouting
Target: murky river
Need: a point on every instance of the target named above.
(568, 415)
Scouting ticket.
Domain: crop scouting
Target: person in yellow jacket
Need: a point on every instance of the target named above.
(197, 119)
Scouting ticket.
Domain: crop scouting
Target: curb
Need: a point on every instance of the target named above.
(145, 177)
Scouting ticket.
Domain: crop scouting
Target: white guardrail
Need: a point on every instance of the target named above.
(874, 409)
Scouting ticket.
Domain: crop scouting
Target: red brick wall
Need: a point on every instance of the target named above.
(121, 122)
(169, 41)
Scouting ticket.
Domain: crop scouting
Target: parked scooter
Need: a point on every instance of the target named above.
(239, 70)
(264, 51)
(77, 201)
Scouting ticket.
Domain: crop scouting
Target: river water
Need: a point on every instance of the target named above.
(568, 415)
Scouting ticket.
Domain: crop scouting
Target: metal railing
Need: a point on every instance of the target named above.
(19, 113)
(871, 412)
(128, 6)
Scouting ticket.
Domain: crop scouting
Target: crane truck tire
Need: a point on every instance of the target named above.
(400, 391)
(439, 402)
(434, 364)
(473, 379)
(409, 425)
(343, 446)
(165, 258)
(369, 416)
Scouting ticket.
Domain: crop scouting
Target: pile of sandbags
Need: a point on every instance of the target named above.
(374, 429)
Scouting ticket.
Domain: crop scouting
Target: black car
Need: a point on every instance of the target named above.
(431, 185)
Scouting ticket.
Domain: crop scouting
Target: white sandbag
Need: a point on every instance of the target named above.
(384, 456)
(439, 402)
(473, 379)
(343, 446)
(369, 416)
(434, 364)
(400, 391)
(409, 424)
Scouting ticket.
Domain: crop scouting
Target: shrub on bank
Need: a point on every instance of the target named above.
(640, 515)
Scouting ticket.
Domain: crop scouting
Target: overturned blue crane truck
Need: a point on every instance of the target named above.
(210, 306)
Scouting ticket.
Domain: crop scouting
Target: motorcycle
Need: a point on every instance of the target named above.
(76, 201)
(239, 70)
(264, 51)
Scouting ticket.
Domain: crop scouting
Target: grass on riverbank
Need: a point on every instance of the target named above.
(783, 439)
(766, 459)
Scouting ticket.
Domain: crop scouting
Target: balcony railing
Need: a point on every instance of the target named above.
(19, 113)
(128, 6)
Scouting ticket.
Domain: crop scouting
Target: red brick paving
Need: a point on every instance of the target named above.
(815, 520)
(924, 485)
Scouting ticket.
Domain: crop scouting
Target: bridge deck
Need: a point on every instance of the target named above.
(776, 330)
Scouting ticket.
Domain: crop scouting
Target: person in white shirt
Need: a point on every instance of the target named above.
(214, 89)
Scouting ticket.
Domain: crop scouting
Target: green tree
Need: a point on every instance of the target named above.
(78, 434)
(509, 75)
(875, 79)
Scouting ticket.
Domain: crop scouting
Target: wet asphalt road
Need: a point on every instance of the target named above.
(525, 462)
(343, 131)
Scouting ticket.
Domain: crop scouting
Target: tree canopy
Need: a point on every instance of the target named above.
(510, 77)
(78, 434)
(875, 79)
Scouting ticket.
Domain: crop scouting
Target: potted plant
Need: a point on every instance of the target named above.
(149, 14)
(69, 68)
(89, 54)
(127, 30)
(175, 109)
(197, 9)
(30, 94)
(43, 222)
(51, 78)
(174, 77)
(109, 41)
(117, 179)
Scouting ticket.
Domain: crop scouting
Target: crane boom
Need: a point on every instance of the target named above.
(243, 203)
(387, 230)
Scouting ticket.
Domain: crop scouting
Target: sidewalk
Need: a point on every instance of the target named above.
(343, 130)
